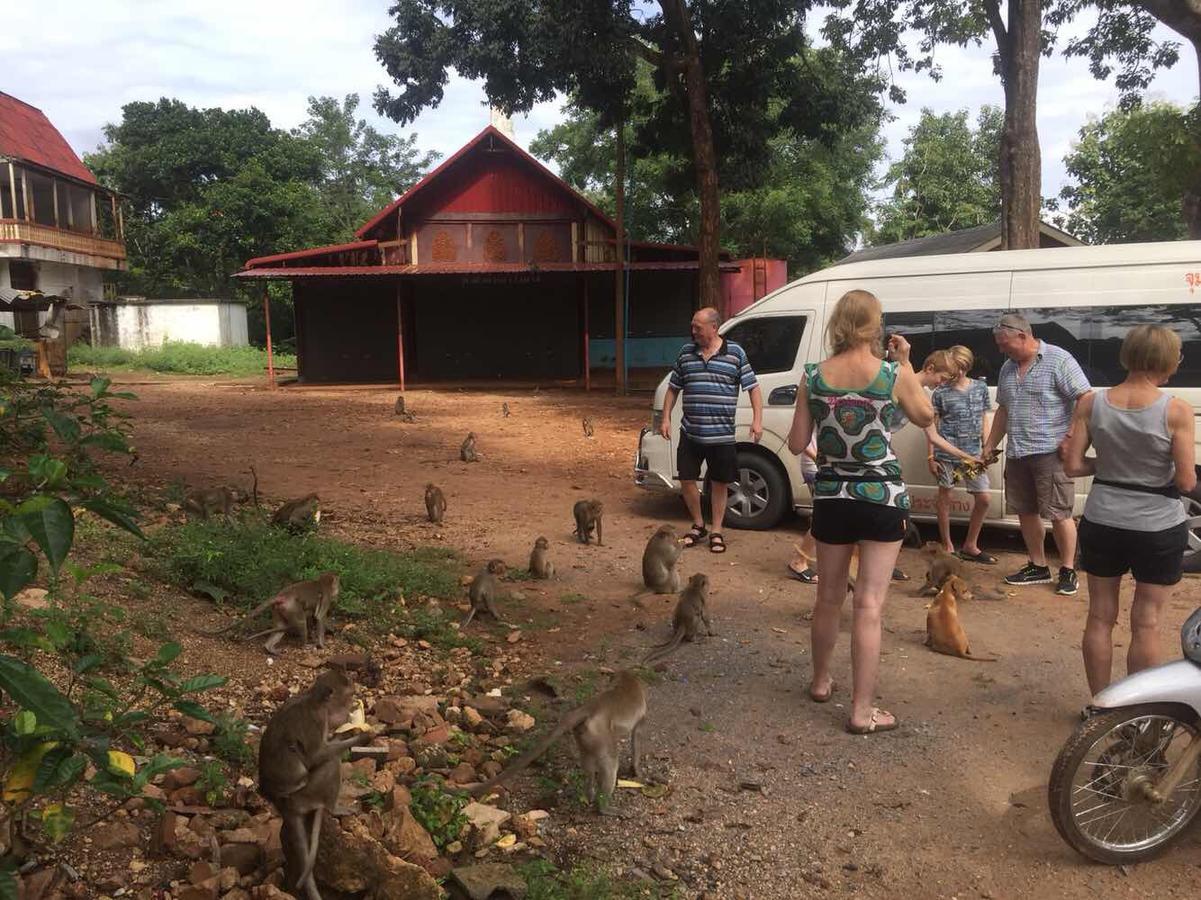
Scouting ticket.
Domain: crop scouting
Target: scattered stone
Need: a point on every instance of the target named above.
(481, 882)
(33, 598)
(513, 636)
(472, 718)
(115, 835)
(463, 773)
(486, 820)
(350, 860)
(243, 857)
(198, 727)
(184, 776)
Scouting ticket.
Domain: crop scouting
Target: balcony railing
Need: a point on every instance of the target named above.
(14, 231)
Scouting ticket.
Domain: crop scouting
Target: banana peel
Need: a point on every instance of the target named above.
(357, 720)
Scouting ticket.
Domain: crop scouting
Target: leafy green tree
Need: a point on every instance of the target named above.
(946, 179)
(808, 205)
(362, 169)
(875, 29)
(716, 67)
(206, 190)
(1131, 169)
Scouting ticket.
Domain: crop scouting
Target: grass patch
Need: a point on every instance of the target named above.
(572, 598)
(586, 882)
(177, 357)
(244, 563)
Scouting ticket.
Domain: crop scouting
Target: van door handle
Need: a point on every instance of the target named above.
(782, 396)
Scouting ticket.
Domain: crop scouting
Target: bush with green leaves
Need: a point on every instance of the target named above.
(73, 703)
(247, 561)
(439, 811)
(177, 358)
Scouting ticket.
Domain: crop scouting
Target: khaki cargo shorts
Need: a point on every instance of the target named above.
(1038, 484)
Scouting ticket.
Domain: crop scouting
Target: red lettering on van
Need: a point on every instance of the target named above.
(1194, 281)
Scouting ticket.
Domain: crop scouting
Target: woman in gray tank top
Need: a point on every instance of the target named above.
(1133, 519)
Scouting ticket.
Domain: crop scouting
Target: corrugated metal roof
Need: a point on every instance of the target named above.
(965, 240)
(311, 251)
(26, 134)
(465, 269)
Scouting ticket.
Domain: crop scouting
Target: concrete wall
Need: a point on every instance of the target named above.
(55, 278)
(134, 326)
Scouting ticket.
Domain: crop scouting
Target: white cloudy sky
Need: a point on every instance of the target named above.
(81, 60)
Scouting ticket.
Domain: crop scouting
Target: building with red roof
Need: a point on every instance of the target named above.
(489, 267)
(59, 229)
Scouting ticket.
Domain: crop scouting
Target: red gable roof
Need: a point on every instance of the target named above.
(519, 154)
(26, 134)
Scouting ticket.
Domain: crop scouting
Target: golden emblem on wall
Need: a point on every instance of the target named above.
(546, 248)
(444, 249)
(494, 247)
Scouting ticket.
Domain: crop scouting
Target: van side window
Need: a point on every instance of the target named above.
(928, 331)
(771, 342)
(1094, 334)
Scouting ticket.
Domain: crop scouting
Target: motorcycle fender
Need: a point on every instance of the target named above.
(1174, 682)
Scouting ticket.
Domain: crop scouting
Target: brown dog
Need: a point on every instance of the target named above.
(944, 632)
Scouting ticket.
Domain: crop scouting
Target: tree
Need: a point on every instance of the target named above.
(872, 28)
(1131, 169)
(362, 169)
(712, 60)
(806, 203)
(946, 178)
(1122, 34)
(206, 190)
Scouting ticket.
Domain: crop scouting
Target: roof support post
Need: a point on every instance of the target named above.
(267, 321)
(400, 334)
(587, 357)
(619, 307)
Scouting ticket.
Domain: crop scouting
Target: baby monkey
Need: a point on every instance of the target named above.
(484, 590)
(540, 566)
(435, 503)
(467, 451)
(587, 515)
(689, 620)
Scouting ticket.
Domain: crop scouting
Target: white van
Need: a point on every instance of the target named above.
(1083, 299)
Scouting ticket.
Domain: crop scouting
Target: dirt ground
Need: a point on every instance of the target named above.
(770, 798)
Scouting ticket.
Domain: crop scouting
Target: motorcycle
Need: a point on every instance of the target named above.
(1128, 780)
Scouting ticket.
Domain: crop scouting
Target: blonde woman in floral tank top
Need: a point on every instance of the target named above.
(848, 402)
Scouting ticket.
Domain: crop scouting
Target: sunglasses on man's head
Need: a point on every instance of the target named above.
(1000, 326)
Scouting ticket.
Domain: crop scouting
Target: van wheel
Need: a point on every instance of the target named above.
(1192, 551)
(760, 498)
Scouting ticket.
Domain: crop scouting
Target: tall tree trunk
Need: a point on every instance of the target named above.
(1190, 203)
(619, 307)
(704, 156)
(1020, 161)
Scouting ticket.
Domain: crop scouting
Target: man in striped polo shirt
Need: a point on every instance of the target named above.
(709, 372)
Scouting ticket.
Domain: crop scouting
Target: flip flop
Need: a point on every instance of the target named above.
(979, 557)
(695, 535)
(874, 726)
(823, 698)
(806, 577)
(898, 575)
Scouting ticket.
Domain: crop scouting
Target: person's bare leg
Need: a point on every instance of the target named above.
(876, 562)
(1097, 645)
(718, 493)
(944, 519)
(1148, 603)
(971, 542)
(1064, 531)
(692, 500)
(833, 567)
(1035, 537)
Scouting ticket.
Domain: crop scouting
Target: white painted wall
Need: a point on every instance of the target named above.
(150, 324)
(84, 282)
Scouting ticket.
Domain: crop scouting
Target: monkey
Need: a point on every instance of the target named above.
(300, 770)
(435, 503)
(467, 451)
(659, 572)
(587, 517)
(944, 632)
(587, 426)
(540, 566)
(598, 726)
(483, 591)
(400, 405)
(302, 514)
(254, 487)
(504, 410)
(690, 614)
(292, 610)
(940, 566)
(204, 502)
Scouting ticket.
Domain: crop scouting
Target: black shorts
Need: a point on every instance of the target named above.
(722, 460)
(842, 521)
(1152, 557)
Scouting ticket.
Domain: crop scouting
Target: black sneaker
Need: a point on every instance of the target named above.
(1068, 584)
(1031, 574)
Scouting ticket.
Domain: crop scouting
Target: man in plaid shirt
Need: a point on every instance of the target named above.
(1037, 392)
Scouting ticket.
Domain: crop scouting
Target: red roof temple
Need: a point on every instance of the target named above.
(490, 266)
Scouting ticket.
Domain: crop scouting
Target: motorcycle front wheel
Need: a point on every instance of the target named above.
(1102, 783)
